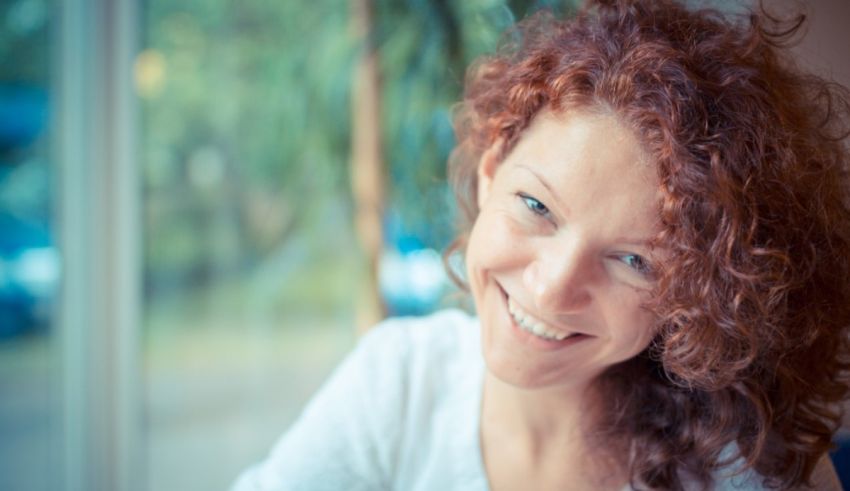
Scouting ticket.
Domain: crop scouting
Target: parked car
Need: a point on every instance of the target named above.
(29, 273)
(29, 263)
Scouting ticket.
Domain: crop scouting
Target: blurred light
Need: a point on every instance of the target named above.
(206, 168)
(150, 73)
(26, 16)
(23, 114)
(37, 270)
(412, 282)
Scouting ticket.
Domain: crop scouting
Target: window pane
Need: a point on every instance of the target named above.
(28, 259)
(250, 263)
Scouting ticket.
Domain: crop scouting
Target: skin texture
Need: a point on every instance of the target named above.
(562, 232)
(573, 265)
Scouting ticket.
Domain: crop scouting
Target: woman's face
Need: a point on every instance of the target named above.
(558, 259)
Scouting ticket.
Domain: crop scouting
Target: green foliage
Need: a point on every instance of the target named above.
(24, 40)
(425, 47)
(246, 138)
(264, 81)
(248, 135)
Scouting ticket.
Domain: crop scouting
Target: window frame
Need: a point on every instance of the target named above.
(98, 228)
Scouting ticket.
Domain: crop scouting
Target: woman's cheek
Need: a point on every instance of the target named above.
(505, 234)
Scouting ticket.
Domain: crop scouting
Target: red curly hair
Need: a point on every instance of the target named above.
(753, 301)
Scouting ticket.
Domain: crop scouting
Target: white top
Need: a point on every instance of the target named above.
(401, 412)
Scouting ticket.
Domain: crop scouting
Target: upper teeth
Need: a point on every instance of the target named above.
(532, 325)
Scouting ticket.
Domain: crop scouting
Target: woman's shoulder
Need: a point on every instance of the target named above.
(425, 382)
(407, 362)
(737, 478)
(433, 326)
(450, 335)
(368, 426)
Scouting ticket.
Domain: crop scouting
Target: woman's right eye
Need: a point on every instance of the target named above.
(534, 205)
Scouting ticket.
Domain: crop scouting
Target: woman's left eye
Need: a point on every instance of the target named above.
(637, 263)
(535, 205)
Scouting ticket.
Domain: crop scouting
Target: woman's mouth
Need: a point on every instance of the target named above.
(528, 323)
(539, 329)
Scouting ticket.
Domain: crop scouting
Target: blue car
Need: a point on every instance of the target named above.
(29, 263)
(29, 273)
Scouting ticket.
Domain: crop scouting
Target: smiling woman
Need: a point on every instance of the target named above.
(550, 247)
(656, 241)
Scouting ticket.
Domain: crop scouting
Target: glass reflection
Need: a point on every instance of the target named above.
(29, 262)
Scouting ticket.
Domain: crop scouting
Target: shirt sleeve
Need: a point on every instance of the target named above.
(823, 478)
(346, 435)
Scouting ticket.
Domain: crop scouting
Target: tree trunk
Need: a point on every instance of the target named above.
(367, 173)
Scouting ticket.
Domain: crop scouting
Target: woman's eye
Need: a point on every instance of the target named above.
(535, 205)
(637, 263)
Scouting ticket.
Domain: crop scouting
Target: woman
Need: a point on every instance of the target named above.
(658, 247)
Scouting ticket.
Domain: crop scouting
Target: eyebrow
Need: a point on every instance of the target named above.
(636, 242)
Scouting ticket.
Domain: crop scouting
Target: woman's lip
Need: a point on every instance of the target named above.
(535, 340)
(518, 312)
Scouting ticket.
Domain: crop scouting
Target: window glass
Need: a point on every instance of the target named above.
(256, 201)
(251, 264)
(29, 264)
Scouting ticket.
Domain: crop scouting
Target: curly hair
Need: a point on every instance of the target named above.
(753, 300)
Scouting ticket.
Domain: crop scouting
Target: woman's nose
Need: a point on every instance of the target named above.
(559, 281)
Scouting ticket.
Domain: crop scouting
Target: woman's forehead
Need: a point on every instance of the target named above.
(584, 142)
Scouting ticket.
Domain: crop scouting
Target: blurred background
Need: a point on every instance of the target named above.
(202, 202)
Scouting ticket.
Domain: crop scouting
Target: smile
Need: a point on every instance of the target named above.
(530, 324)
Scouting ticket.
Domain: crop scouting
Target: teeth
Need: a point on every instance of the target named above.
(532, 325)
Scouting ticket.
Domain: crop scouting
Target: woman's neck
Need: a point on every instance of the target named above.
(539, 416)
(544, 434)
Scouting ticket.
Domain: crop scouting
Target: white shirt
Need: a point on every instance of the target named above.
(401, 412)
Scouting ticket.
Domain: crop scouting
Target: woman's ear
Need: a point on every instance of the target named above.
(487, 166)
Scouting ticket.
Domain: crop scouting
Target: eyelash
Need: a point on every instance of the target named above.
(642, 267)
(534, 205)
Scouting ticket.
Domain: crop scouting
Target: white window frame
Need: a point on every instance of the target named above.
(97, 210)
